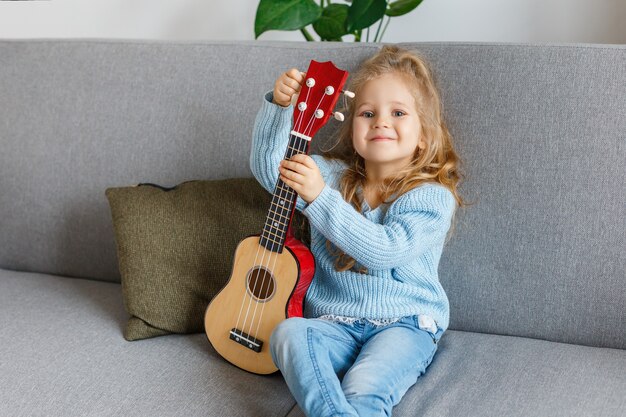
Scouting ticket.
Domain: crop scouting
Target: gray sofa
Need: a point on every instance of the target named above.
(535, 270)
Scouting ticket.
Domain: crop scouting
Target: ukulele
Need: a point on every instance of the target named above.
(272, 271)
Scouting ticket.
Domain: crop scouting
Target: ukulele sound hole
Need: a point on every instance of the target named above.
(261, 284)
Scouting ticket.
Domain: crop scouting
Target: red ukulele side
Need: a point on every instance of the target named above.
(268, 283)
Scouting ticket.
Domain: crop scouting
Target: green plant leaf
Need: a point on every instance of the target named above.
(332, 24)
(285, 15)
(400, 7)
(364, 13)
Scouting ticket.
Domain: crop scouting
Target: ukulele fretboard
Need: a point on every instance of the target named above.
(283, 203)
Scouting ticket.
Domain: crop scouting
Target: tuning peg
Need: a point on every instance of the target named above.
(339, 116)
(348, 93)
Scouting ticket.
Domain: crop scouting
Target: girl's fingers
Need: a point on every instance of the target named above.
(292, 184)
(291, 180)
(287, 87)
(294, 166)
(286, 90)
(296, 75)
(288, 182)
(305, 160)
(292, 79)
(294, 84)
(289, 173)
(288, 164)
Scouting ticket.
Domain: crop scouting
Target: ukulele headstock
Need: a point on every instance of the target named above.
(317, 98)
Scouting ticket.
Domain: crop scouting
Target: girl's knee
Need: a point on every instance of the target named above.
(288, 332)
(288, 329)
(374, 392)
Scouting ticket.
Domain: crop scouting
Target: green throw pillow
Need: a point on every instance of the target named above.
(175, 247)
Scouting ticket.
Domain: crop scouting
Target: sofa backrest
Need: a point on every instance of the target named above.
(541, 129)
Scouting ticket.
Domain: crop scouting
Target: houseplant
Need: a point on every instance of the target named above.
(330, 21)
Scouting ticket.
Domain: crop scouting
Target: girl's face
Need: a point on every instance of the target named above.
(386, 128)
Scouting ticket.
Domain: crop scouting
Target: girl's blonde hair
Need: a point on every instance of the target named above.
(438, 162)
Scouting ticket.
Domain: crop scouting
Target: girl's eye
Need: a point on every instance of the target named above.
(367, 114)
(398, 113)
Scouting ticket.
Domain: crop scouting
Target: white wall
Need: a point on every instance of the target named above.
(598, 21)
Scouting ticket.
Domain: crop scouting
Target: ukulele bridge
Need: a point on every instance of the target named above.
(246, 340)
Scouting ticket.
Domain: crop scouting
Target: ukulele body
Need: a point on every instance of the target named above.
(264, 289)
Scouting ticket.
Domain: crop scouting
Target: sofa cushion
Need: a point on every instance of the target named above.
(62, 354)
(176, 245)
(61, 339)
(475, 374)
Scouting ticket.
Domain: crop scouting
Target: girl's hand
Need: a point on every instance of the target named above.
(302, 174)
(286, 86)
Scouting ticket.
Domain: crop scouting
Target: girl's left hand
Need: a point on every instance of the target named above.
(302, 174)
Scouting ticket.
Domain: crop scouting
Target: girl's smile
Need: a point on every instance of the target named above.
(381, 138)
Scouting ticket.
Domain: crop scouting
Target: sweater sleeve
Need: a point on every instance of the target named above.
(269, 141)
(270, 138)
(413, 224)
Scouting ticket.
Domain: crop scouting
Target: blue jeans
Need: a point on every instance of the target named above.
(358, 370)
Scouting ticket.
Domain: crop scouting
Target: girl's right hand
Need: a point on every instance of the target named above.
(286, 86)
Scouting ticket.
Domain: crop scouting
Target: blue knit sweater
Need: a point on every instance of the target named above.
(400, 243)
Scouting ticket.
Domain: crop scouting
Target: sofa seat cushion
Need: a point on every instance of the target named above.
(478, 375)
(62, 353)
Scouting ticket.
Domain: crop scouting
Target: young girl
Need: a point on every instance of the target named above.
(380, 204)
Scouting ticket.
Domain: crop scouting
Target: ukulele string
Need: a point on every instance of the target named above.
(273, 256)
(307, 133)
(290, 194)
(243, 301)
(310, 124)
(272, 220)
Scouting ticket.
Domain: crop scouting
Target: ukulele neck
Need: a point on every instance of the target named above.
(283, 203)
